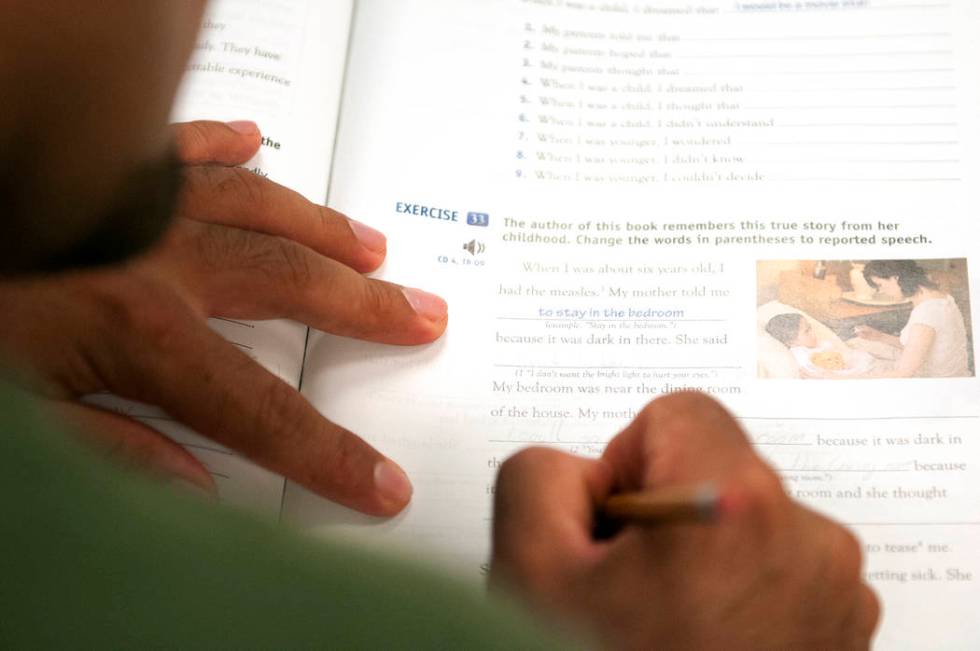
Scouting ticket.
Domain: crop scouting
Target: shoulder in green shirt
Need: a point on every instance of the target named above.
(93, 557)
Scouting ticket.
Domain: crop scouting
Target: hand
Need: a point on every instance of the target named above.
(241, 247)
(769, 574)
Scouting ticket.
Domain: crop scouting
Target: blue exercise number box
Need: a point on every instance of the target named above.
(477, 219)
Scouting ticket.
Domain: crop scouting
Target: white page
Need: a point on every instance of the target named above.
(281, 65)
(747, 121)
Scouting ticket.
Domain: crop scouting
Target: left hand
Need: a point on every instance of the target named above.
(241, 247)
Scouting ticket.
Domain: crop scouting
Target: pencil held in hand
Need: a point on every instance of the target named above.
(700, 503)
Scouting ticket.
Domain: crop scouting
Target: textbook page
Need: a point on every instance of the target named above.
(279, 64)
(616, 199)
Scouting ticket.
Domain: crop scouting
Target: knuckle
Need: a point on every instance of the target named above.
(871, 610)
(280, 261)
(146, 320)
(192, 139)
(375, 298)
(195, 187)
(277, 408)
(162, 329)
(218, 246)
(764, 494)
(688, 401)
(685, 409)
(648, 414)
(293, 262)
(325, 221)
(243, 189)
(345, 458)
(199, 137)
(845, 551)
(375, 306)
(528, 461)
(148, 309)
(695, 428)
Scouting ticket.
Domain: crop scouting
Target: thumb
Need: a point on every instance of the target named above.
(222, 143)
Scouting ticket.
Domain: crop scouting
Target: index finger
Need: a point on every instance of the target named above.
(197, 377)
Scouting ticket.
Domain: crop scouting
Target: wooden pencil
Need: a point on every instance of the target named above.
(699, 503)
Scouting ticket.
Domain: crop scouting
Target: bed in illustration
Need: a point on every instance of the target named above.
(824, 355)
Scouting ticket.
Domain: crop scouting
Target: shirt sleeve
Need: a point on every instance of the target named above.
(930, 313)
(91, 557)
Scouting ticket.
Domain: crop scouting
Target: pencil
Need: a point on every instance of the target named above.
(699, 503)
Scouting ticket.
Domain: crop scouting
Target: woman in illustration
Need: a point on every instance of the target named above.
(933, 343)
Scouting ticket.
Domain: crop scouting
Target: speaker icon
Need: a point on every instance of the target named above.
(474, 247)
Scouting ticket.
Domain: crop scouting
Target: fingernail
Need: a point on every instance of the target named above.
(369, 238)
(426, 305)
(392, 483)
(244, 127)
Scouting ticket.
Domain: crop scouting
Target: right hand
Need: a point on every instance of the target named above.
(769, 574)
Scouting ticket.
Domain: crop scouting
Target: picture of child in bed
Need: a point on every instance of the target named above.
(794, 331)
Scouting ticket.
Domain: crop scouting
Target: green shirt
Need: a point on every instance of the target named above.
(92, 557)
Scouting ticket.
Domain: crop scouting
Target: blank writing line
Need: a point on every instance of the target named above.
(858, 418)
(912, 524)
(864, 470)
(533, 441)
(852, 89)
(889, 71)
(909, 143)
(606, 368)
(821, 107)
(828, 37)
(934, 5)
(810, 179)
(828, 9)
(818, 55)
(869, 124)
(893, 161)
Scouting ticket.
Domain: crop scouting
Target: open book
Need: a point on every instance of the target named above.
(617, 199)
